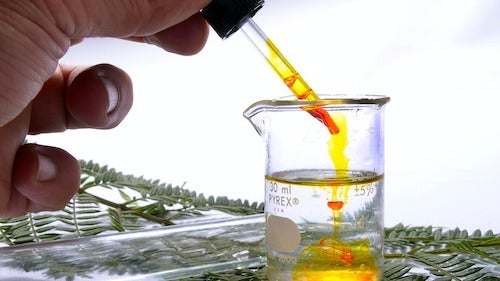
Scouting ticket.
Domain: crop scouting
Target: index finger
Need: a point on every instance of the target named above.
(123, 18)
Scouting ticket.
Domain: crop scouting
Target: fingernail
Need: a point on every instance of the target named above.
(112, 90)
(46, 168)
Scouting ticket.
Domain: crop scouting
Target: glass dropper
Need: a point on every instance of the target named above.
(278, 61)
(228, 16)
(285, 70)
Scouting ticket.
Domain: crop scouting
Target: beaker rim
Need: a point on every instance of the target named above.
(324, 101)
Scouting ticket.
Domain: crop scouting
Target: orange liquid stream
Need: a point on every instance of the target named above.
(330, 259)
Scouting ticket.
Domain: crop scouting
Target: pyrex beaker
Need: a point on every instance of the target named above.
(323, 192)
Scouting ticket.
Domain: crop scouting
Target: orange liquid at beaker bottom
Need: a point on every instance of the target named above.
(334, 260)
(336, 242)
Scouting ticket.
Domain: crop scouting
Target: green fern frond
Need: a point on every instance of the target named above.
(444, 254)
(28, 228)
(140, 203)
(395, 271)
(412, 253)
(451, 267)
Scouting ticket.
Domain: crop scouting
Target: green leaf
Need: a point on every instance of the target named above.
(394, 271)
(467, 247)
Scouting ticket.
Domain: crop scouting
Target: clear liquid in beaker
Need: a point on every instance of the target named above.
(324, 225)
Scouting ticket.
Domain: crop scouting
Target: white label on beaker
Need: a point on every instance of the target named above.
(282, 234)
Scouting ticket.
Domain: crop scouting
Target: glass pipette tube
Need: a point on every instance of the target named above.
(294, 81)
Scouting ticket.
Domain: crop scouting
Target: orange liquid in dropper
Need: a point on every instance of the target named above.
(298, 86)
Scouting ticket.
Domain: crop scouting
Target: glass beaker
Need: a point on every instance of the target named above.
(323, 192)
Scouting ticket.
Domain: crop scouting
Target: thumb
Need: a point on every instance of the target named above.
(43, 179)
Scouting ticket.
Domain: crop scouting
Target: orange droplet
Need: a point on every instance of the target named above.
(290, 80)
(305, 95)
(335, 205)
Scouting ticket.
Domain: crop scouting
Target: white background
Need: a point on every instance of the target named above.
(439, 61)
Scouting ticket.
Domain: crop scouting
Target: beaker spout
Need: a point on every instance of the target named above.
(255, 115)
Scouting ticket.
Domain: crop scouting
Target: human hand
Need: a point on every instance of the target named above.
(37, 95)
